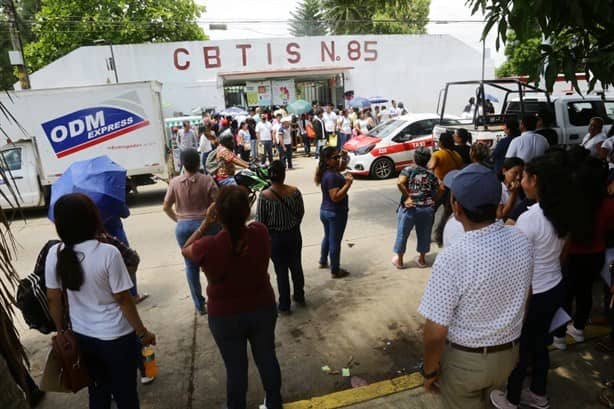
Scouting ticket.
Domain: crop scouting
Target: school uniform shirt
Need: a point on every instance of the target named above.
(93, 310)
(479, 285)
(205, 144)
(547, 248)
(591, 143)
(527, 146)
(505, 195)
(329, 121)
(452, 231)
(345, 125)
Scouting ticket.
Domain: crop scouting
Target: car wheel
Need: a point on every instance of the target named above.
(382, 168)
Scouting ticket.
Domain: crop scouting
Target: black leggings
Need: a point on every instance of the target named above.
(579, 274)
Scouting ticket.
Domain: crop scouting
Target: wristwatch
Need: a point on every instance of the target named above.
(430, 375)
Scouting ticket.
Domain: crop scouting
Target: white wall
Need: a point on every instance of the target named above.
(408, 68)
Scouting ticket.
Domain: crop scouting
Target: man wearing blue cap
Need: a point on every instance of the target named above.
(475, 299)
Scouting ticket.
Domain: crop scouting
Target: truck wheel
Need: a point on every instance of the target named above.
(382, 168)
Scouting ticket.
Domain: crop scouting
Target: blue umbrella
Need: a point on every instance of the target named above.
(234, 111)
(359, 103)
(101, 179)
(491, 98)
(378, 100)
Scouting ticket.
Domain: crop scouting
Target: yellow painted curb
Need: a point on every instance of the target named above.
(388, 387)
(362, 394)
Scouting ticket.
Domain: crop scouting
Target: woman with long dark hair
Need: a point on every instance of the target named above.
(548, 179)
(334, 207)
(241, 300)
(586, 252)
(101, 310)
(281, 210)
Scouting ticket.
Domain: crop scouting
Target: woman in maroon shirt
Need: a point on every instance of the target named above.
(241, 301)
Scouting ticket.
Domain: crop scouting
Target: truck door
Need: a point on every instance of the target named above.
(20, 162)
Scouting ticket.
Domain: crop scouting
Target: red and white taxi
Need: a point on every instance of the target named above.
(390, 146)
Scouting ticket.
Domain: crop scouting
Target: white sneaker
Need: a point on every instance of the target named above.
(146, 380)
(532, 400)
(576, 334)
(499, 400)
(559, 343)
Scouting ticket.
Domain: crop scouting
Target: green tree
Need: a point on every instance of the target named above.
(578, 33)
(64, 25)
(523, 57)
(26, 10)
(307, 20)
(376, 17)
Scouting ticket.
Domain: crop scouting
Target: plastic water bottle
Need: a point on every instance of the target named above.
(149, 361)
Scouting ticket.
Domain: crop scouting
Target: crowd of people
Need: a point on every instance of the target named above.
(512, 256)
(525, 236)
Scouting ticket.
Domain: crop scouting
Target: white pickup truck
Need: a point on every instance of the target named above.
(64, 125)
(571, 113)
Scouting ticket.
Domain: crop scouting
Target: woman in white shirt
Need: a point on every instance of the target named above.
(344, 127)
(548, 180)
(101, 311)
(511, 172)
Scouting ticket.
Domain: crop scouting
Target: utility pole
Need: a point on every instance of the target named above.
(15, 36)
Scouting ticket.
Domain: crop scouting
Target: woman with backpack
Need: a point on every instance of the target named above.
(92, 278)
(281, 210)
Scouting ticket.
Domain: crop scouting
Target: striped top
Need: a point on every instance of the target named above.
(278, 216)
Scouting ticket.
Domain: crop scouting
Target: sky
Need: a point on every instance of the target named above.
(279, 12)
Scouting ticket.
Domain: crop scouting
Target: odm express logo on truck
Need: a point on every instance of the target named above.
(88, 127)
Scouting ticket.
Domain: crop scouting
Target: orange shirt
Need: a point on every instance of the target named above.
(445, 161)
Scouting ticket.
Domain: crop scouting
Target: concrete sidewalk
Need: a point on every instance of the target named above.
(574, 382)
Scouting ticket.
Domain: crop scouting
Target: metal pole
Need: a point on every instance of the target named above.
(16, 43)
(483, 57)
(114, 63)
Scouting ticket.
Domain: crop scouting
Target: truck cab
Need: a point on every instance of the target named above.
(20, 166)
(571, 113)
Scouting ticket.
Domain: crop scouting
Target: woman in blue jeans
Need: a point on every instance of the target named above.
(420, 191)
(191, 194)
(334, 207)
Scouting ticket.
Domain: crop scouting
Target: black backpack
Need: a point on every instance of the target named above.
(32, 295)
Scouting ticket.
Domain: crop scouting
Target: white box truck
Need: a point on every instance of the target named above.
(64, 125)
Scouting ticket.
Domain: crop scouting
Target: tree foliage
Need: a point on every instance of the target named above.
(578, 33)
(307, 20)
(523, 57)
(26, 10)
(64, 25)
(376, 17)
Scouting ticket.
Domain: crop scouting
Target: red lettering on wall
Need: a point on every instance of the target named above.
(244, 48)
(354, 50)
(269, 56)
(329, 51)
(294, 56)
(181, 66)
(370, 51)
(212, 57)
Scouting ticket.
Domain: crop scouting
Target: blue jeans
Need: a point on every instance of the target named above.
(268, 151)
(183, 231)
(407, 218)
(286, 248)
(229, 181)
(254, 145)
(231, 334)
(334, 226)
(342, 138)
(112, 366)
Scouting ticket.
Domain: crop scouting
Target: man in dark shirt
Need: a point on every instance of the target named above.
(320, 130)
(544, 123)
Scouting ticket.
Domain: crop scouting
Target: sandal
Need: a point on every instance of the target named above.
(606, 397)
(395, 263)
(140, 298)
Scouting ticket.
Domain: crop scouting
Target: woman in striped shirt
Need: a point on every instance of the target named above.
(281, 209)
